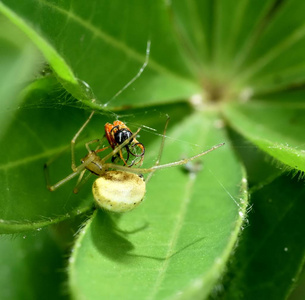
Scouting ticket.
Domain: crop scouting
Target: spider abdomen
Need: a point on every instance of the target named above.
(118, 191)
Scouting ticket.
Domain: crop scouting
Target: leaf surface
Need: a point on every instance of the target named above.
(274, 237)
(276, 57)
(17, 65)
(84, 35)
(176, 243)
(277, 129)
(31, 267)
(41, 131)
(29, 142)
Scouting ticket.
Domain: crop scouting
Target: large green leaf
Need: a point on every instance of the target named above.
(179, 239)
(17, 65)
(257, 162)
(87, 41)
(276, 57)
(277, 129)
(31, 267)
(25, 202)
(216, 33)
(183, 233)
(274, 238)
(236, 46)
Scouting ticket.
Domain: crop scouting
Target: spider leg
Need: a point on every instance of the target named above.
(99, 141)
(100, 150)
(157, 163)
(48, 163)
(122, 157)
(135, 77)
(73, 141)
(118, 148)
(81, 181)
(78, 170)
(75, 190)
(159, 167)
(141, 146)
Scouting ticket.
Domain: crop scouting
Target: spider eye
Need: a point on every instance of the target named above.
(122, 135)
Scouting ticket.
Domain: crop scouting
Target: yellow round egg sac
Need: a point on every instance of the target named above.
(118, 191)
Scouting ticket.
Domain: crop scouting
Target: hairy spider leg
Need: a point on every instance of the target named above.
(136, 76)
(141, 146)
(110, 132)
(90, 158)
(118, 124)
(78, 170)
(157, 163)
(119, 147)
(73, 141)
(159, 167)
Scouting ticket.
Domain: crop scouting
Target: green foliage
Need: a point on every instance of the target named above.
(224, 71)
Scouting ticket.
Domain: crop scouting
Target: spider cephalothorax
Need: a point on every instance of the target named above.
(117, 188)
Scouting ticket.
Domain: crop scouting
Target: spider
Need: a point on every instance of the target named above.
(118, 188)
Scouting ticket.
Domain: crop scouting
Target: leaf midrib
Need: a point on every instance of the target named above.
(175, 235)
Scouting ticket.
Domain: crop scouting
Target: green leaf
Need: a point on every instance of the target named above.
(31, 267)
(17, 65)
(276, 57)
(257, 163)
(28, 143)
(277, 129)
(47, 49)
(215, 33)
(89, 37)
(299, 291)
(49, 118)
(175, 244)
(274, 238)
(236, 26)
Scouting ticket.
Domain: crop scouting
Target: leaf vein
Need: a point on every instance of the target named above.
(114, 42)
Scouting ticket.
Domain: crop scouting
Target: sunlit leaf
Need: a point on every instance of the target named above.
(276, 58)
(42, 131)
(180, 237)
(278, 129)
(86, 42)
(142, 61)
(17, 66)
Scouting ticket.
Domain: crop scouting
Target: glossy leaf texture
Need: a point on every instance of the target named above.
(176, 243)
(275, 58)
(235, 55)
(18, 64)
(26, 203)
(241, 48)
(216, 34)
(31, 267)
(278, 216)
(85, 42)
(276, 128)
(193, 44)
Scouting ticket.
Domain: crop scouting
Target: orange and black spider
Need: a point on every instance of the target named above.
(116, 134)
